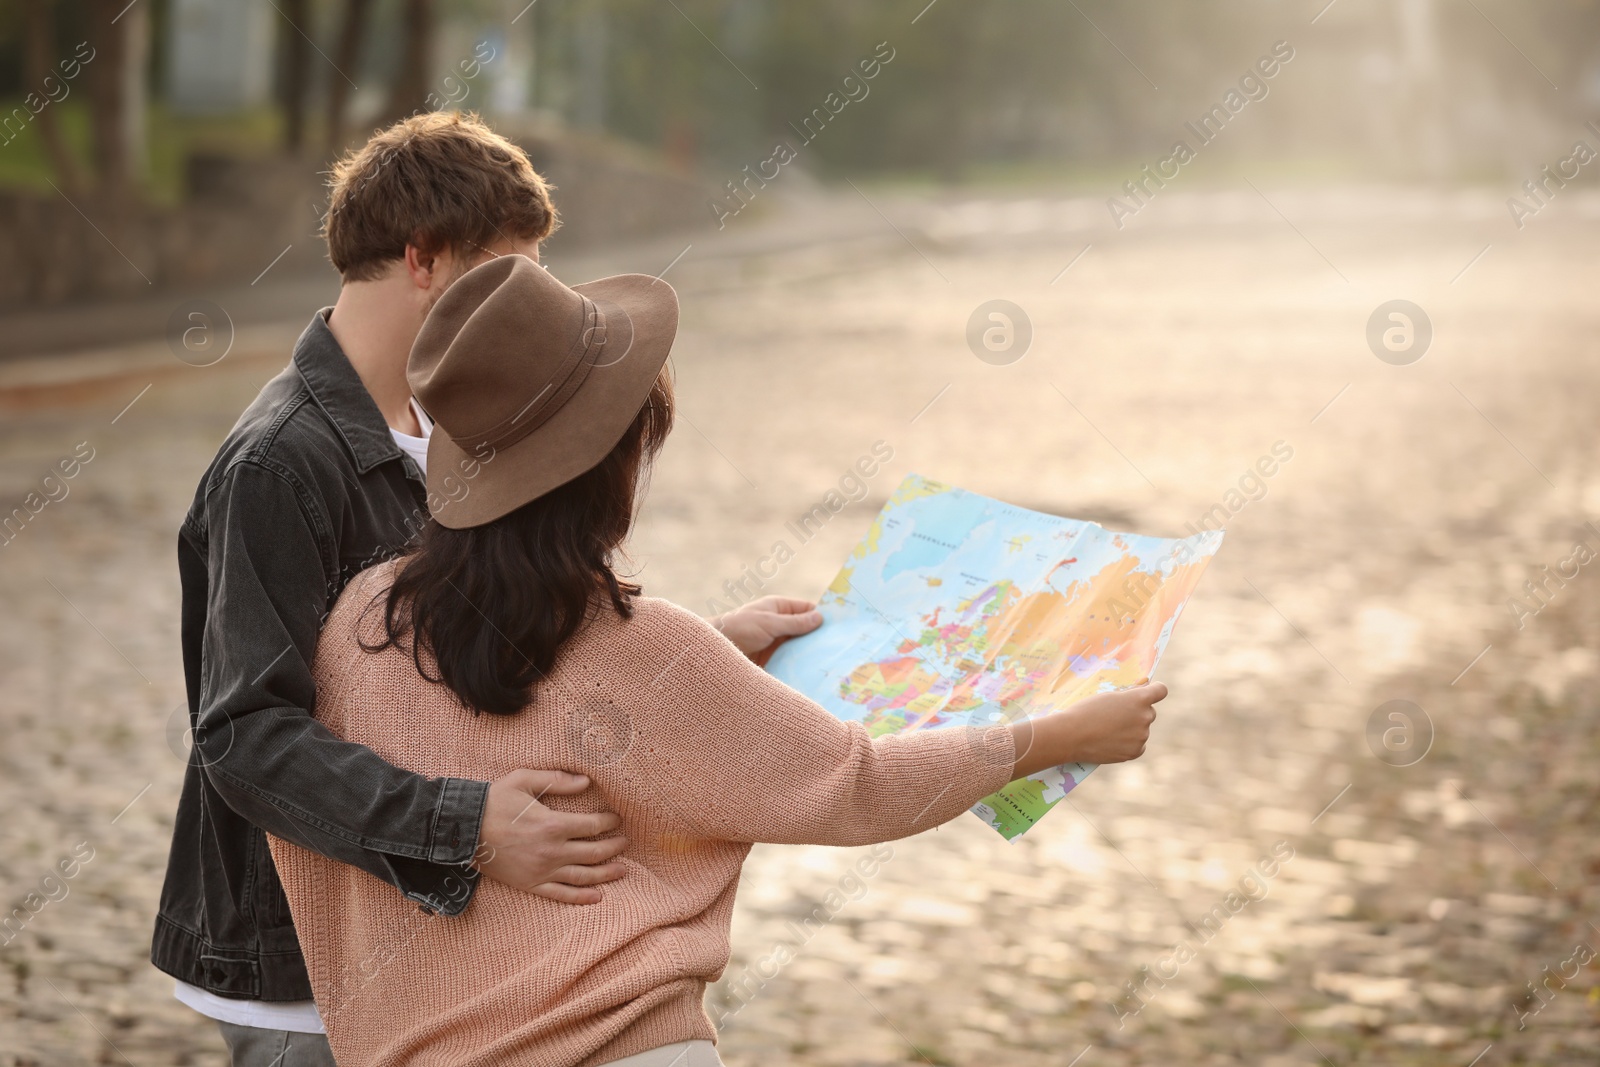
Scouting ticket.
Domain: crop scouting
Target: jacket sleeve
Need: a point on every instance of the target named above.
(753, 760)
(269, 590)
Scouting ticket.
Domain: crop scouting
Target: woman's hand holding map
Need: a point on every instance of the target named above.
(959, 610)
(1105, 728)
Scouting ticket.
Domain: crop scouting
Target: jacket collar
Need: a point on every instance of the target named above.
(337, 389)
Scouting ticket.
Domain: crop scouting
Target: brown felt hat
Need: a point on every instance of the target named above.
(530, 383)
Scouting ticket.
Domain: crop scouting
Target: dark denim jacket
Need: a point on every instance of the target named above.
(308, 490)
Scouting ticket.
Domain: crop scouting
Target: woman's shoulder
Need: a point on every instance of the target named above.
(654, 616)
(359, 608)
(659, 653)
(653, 629)
(354, 626)
(653, 613)
(377, 576)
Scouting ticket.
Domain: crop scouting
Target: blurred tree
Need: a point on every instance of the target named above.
(346, 56)
(408, 93)
(119, 34)
(107, 148)
(1394, 87)
(39, 57)
(591, 41)
(296, 89)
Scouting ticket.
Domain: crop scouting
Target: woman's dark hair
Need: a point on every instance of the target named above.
(492, 605)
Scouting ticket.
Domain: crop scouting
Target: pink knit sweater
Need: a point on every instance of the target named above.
(696, 749)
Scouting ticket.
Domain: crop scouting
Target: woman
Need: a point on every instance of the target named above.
(507, 640)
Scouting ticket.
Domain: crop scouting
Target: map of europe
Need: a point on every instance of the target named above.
(957, 609)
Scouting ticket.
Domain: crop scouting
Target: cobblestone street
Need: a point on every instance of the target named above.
(1380, 913)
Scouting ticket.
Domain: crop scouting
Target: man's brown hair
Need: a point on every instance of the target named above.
(439, 180)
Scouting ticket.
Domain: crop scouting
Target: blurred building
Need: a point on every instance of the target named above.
(220, 55)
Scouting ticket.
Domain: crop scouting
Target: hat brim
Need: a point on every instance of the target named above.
(470, 489)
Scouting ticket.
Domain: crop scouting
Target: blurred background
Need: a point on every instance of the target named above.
(200, 126)
(1358, 234)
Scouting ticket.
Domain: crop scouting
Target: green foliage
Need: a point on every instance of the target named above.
(22, 159)
(975, 88)
(170, 140)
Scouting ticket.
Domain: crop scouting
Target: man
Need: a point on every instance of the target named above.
(320, 478)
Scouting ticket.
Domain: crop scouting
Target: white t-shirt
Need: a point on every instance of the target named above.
(295, 1016)
(415, 447)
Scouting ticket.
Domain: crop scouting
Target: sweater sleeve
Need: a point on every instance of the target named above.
(729, 752)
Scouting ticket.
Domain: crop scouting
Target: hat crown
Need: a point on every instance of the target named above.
(502, 351)
(530, 382)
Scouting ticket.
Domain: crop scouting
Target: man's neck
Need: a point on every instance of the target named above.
(375, 325)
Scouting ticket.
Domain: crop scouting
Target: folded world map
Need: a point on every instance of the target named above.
(957, 609)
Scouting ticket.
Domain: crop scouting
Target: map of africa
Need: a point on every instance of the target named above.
(956, 609)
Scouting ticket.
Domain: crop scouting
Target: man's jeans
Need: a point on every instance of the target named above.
(251, 1046)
